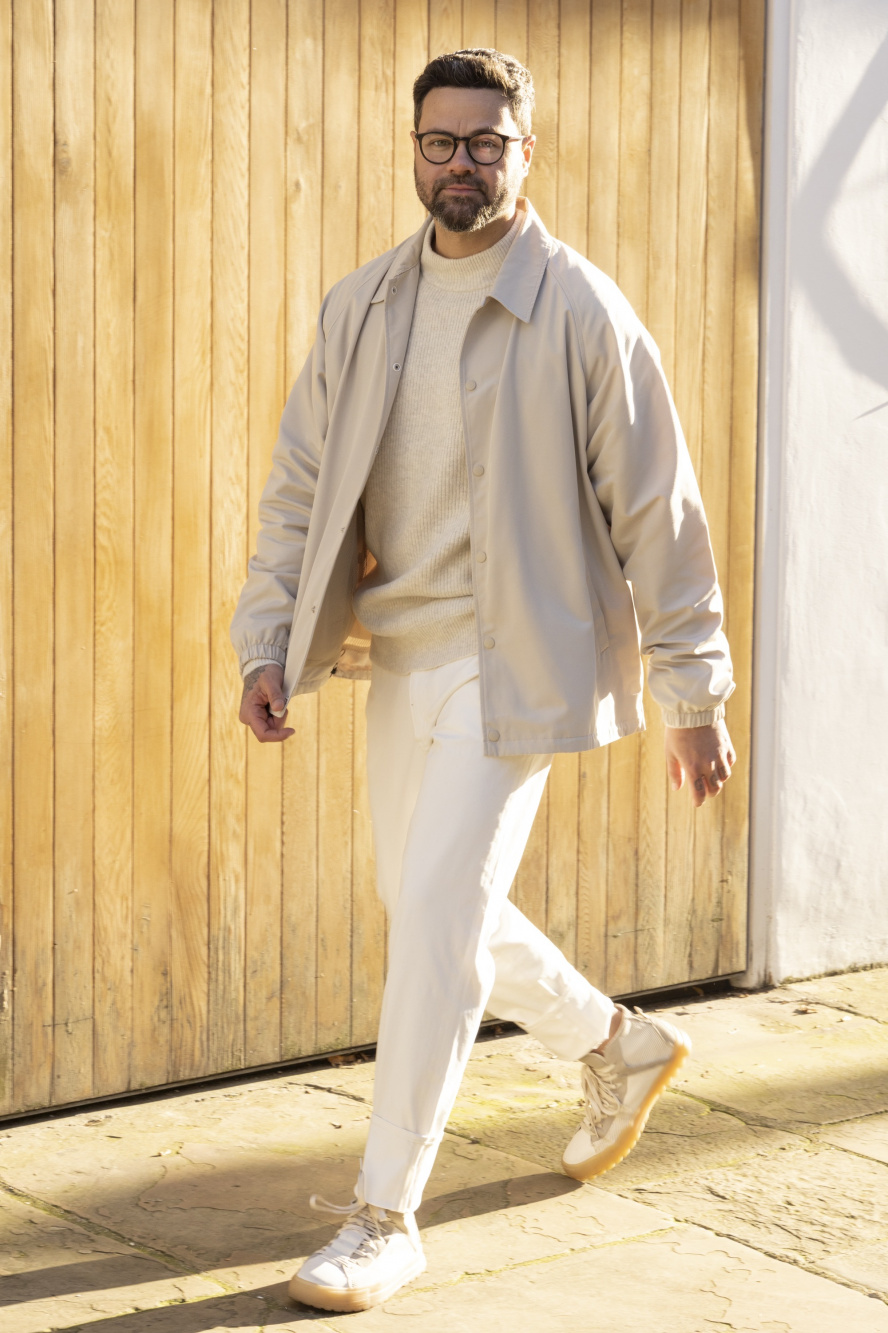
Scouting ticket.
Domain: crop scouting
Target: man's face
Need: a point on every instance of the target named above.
(463, 195)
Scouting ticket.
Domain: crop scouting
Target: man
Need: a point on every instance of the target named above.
(479, 457)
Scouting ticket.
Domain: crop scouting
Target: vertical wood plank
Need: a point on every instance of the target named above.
(573, 124)
(717, 411)
(478, 24)
(543, 52)
(74, 482)
(411, 54)
(561, 900)
(114, 571)
(193, 186)
(604, 135)
(33, 173)
(741, 551)
(335, 805)
(341, 114)
(633, 814)
(376, 169)
(687, 387)
(592, 857)
(376, 112)
(336, 707)
(368, 916)
(299, 927)
(305, 65)
(153, 538)
(230, 407)
(530, 889)
(511, 29)
(445, 27)
(6, 588)
(268, 220)
(661, 257)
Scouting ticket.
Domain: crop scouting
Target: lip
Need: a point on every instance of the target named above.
(460, 189)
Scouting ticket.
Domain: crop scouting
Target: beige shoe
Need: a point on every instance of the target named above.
(371, 1257)
(620, 1087)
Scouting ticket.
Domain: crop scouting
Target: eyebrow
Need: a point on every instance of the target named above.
(485, 129)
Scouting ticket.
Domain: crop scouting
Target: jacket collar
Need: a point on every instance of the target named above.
(518, 281)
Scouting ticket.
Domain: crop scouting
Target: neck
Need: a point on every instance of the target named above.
(462, 244)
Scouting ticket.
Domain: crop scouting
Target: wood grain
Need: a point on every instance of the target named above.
(74, 551)
(230, 406)
(114, 554)
(687, 388)
(267, 351)
(740, 574)
(192, 331)
(33, 171)
(187, 179)
(478, 23)
(6, 567)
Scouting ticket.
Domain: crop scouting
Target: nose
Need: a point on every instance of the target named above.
(461, 160)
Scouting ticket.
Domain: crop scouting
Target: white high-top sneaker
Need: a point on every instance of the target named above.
(371, 1256)
(620, 1087)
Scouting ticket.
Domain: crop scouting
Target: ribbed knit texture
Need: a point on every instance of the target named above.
(418, 603)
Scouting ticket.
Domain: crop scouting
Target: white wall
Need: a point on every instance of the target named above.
(819, 884)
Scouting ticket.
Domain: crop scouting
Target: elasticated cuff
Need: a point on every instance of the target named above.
(704, 719)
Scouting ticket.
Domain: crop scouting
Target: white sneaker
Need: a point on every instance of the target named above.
(620, 1087)
(371, 1256)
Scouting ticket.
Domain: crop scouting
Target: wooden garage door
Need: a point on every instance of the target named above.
(187, 179)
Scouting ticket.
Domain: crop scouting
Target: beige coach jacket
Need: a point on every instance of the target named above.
(582, 498)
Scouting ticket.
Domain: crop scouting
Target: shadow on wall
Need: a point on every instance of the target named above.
(861, 336)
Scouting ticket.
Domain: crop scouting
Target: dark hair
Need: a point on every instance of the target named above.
(480, 67)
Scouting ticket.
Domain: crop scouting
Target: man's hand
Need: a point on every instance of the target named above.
(705, 754)
(263, 696)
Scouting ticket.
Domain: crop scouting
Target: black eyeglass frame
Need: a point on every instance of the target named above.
(467, 139)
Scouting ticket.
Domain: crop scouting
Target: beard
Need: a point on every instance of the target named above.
(468, 213)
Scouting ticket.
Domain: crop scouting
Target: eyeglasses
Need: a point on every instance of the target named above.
(485, 148)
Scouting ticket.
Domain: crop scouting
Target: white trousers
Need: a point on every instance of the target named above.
(450, 826)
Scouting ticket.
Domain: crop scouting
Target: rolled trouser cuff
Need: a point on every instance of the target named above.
(396, 1166)
(575, 1024)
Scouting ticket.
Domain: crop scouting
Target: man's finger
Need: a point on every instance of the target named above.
(698, 790)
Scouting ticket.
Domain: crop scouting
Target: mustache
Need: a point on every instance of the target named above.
(443, 185)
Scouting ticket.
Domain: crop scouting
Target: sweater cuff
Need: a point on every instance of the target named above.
(269, 656)
(704, 719)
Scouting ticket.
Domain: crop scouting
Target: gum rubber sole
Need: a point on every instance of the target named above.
(601, 1162)
(347, 1300)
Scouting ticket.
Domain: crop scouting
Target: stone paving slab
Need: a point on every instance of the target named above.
(687, 1281)
(54, 1273)
(812, 1205)
(864, 992)
(784, 1062)
(868, 1138)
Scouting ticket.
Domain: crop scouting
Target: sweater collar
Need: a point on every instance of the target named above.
(519, 278)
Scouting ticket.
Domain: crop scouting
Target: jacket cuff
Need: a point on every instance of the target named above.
(704, 719)
(266, 654)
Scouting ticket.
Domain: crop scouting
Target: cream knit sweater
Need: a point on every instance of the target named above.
(418, 603)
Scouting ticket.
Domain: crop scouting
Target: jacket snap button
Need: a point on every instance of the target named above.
(489, 642)
(394, 290)
(478, 470)
(396, 366)
(481, 557)
(470, 385)
(492, 734)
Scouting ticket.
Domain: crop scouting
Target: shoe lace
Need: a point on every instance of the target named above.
(364, 1217)
(600, 1093)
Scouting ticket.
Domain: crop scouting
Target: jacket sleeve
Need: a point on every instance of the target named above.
(261, 626)
(642, 475)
